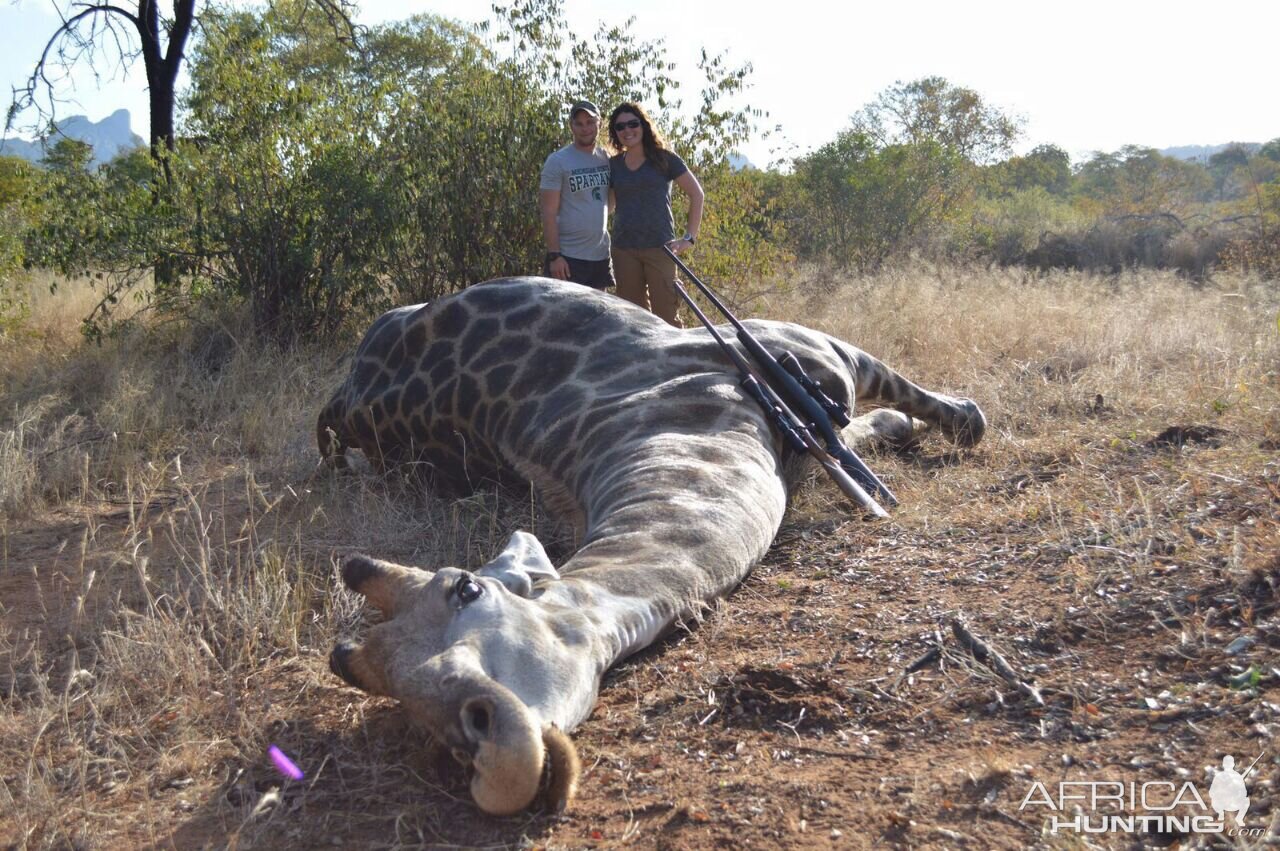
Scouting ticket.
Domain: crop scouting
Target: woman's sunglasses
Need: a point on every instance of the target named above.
(626, 125)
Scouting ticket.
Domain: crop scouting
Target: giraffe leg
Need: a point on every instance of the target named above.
(961, 420)
(882, 428)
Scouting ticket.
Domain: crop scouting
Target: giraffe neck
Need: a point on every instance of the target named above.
(599, 609)
(639, 574)
(672, 528)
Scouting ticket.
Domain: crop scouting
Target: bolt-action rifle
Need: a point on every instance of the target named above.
(798, 391)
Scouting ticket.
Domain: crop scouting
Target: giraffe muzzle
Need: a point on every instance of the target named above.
(506, 749)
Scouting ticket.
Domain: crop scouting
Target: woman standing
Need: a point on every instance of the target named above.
(640, 180)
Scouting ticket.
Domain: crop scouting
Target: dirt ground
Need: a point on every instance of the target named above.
(1130, 580)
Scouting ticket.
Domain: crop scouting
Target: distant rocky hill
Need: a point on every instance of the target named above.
(109, 137)
(1201, 153)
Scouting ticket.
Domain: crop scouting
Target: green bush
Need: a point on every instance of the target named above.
(463, 148)
(857, 204)
(1008, 228)
(111, 223)
(281, 188)
(19, 189)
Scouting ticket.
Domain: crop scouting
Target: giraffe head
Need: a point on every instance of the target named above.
(482, 664)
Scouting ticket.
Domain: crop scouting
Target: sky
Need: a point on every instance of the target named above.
(1085, 75)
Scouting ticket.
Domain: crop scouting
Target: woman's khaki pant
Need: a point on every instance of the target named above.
(644, 277)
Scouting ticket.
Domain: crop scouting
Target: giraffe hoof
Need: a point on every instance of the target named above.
(968, 426)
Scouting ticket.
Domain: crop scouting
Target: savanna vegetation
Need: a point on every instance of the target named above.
(171, 323)
(321, 175)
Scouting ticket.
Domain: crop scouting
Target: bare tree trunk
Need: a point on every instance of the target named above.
(162, 76)
(162, 64)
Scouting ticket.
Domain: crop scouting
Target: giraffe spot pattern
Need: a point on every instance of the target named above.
(481, 333)
(581, 385)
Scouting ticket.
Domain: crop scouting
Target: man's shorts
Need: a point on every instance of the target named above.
(597, 274)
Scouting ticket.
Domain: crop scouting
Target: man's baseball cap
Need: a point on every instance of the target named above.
(581, 105)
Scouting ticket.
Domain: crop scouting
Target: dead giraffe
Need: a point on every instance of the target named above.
(634, 431)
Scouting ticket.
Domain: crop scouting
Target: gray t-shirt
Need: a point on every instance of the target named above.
(583, 182)
(642, 211)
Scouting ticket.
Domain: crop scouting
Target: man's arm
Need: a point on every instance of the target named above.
(549, 202)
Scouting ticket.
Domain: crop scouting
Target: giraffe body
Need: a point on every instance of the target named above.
(635, 432)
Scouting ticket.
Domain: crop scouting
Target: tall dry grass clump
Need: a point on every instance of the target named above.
(1028, 346)
(77, 420)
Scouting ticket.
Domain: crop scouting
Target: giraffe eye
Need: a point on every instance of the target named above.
(467, 590)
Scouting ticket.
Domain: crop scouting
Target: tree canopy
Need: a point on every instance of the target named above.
(934, 110)
(319, 179)
(99, 34)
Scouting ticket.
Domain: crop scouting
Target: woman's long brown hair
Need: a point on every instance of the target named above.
(655, 147)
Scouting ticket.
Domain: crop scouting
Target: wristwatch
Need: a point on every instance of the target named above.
(553, 255)
(688, 237)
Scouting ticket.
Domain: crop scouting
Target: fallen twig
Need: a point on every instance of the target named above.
(930, 656)
(67, 446)
(933, 654)
(1005, 817)
(984, 653)
(838, 754)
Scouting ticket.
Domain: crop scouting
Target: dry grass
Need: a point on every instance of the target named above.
(168, 595)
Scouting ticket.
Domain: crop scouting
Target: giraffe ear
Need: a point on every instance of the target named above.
(522, 564)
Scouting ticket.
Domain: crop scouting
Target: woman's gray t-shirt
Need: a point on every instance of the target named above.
(642, 215)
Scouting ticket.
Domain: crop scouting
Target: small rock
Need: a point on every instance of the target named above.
(1240, 645)
(81, 679)
(950, 834)
(266, 803)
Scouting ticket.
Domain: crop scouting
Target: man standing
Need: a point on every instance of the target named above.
(575, 204)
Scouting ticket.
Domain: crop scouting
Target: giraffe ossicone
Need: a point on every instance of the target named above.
(632, 430)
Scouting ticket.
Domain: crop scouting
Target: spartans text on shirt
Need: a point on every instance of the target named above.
(588, 178)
